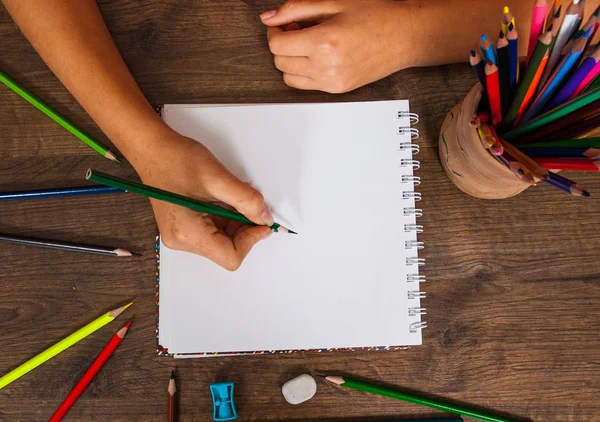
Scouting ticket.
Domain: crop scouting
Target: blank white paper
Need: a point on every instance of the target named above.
(332, 173)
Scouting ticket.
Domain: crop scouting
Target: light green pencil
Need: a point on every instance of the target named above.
(44, 108)
(61, 346)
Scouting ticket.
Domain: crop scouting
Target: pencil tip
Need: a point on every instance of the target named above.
(291, 231)
(585, 194)
(135, 254)
(172, 374)
(473, 53)
(511, 26)
(484, 37)
(506, 9)
(112, 157)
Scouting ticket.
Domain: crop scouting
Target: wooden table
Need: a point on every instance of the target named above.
(513, 286)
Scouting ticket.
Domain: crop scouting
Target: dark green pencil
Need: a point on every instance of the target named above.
(438, 404)
(173, 198)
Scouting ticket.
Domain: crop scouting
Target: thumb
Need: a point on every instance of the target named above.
(300, 11)
(243, 198)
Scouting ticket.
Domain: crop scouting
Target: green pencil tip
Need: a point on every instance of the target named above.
(116, 160)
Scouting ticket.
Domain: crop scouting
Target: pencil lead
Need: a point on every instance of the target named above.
(484, 37)
(473, 53)
(506, 10)
(135, 254)
(291, 231)
(511, 26)
(501, 34)
(172, 374)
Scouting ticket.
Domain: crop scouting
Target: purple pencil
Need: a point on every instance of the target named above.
(569, 88)
(478, 66)
(567, 185)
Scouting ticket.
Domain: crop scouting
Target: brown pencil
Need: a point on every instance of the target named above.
(171, 404)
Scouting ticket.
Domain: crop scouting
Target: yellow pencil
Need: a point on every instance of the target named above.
(507, 19)
(61, 346)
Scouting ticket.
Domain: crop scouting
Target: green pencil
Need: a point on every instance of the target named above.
(173, 198)
(61, 346)
(37, 103)
(537, 59)
(456, 409)
(552, 115)
(567, 143)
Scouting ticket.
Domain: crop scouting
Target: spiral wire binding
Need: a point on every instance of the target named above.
(415, 245)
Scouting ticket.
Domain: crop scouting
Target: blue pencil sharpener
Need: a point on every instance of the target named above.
(223, 404)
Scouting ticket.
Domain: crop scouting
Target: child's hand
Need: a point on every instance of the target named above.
(186, 167)
(355, 42)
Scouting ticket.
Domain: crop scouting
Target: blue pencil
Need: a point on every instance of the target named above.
(487, 48)
(556, 80)
(566, 185)
(57, 192)
(536, 152)
(513, 55)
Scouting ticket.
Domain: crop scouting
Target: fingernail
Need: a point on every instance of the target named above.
(266, 235)
(267, 217)
(268, 15)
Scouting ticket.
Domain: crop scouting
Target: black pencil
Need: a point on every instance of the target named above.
(65, 246)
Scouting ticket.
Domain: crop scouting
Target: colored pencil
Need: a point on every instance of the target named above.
(587, 80)
(592, 133)
(566, 143)
(65, 246)
(536, 152)
(531, 78)
(595, 84)
(487, 49)
(565, 130)
(478, 66)
(41, 106)
(555, 6)
(569, 25)
(537, 25)
(61, 346)
(173, 198)
(567, 185)
(552, 115)
(513, 55)
(507, 19)
(57, 192)
(493, 90)
(555, 22)
(438, 404)
(578, 164)
(89, 375)
(535, 168)
(555, 82)
(503, 72)
(569, 89)
(172, 399)
(571, 122)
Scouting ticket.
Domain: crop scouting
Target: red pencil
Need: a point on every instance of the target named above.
(89, 374)
(579, 164)
(492, 82)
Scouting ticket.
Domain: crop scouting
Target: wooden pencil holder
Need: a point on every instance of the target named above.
(467, 162)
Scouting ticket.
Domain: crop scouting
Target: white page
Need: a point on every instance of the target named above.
(331, 172)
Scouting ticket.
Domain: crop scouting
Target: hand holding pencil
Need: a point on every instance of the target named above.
(190, 169)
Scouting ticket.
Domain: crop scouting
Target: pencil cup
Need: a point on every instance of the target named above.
(466, 161)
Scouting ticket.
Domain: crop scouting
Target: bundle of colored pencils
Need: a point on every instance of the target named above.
(544, 115)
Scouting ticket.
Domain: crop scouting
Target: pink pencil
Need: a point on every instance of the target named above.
(537, 25)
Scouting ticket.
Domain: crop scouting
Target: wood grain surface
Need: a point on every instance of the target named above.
(513, 291)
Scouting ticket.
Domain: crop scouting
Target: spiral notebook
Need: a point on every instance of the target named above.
(339, 174)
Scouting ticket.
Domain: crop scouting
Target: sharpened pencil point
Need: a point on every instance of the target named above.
(135, 254)
(292, 232)
(172, 374)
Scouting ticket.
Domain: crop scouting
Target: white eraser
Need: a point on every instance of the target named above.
(299, 389)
